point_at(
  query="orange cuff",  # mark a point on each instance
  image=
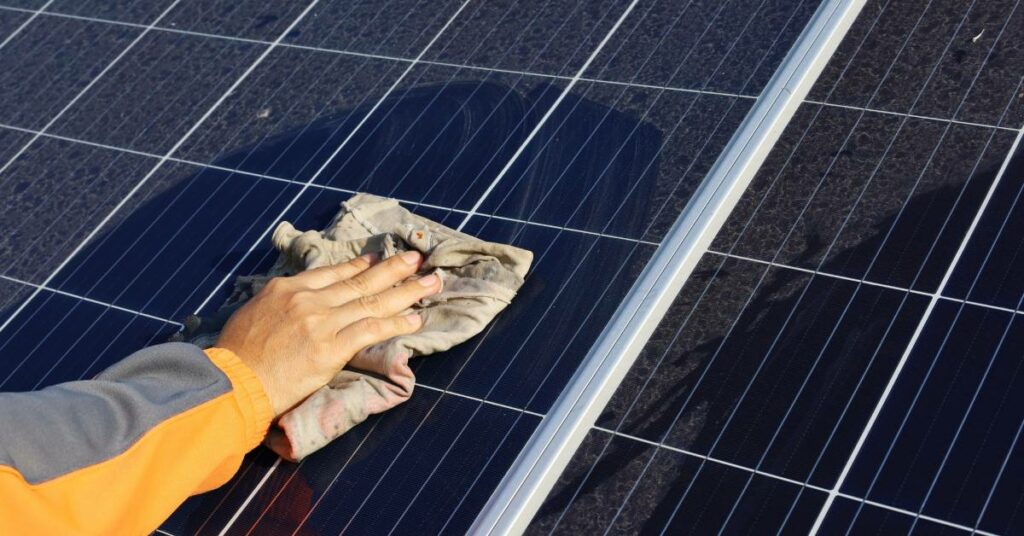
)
(252, 398)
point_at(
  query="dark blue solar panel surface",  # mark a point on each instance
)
(761, 380)
(116, 126)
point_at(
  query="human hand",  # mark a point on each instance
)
(299, 331)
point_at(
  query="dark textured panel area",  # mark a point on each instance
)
(616, 160)
(398, 28)
(946, 59)
(853, 517)
(620, 485)
(991, 269)
(10, 21)
(253, 19)
(154, 95)
(292, 113)
(11, 141)
(535, 36)
(383, 474)
(176, 239)
(866, 195)
(51, 198)
(954, 418)
(25, 4)
(117, 10)
(610, 159)
(731, 46)
(11, 295)
(440, 138)
(52, 60)
(767, 368)
(58, 339)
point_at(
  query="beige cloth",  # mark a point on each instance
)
(479, 279)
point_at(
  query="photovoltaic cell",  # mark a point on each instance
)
(53, 194)
(990, 269)
(705, 45)
(772, 359)
(11, 293)
(553, 38)
(53, 59)
(151, 98)
(132, 11)
(398, 28)
(250, 19)
(10, 21)
(26, 4)
(976, 69)
(184, 227)
(875, 519)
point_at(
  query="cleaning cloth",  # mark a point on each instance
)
(479, 279)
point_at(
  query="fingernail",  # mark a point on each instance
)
(411, 257)
(369, 257)
(414, 319)
(428, 281)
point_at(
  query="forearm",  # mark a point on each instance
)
(119, 453)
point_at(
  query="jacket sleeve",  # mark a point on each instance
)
(117, 454)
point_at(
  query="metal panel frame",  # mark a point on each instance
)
(547, 453)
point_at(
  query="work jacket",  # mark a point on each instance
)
(118, 453)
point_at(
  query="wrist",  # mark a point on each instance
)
(251, 394)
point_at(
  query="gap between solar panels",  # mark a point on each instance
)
(545, 456)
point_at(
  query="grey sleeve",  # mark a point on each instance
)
(47, 433)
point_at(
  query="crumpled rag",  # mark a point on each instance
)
(479, 279)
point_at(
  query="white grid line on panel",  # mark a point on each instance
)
(85, 299)
(787, 480)
(866, 282)
(25, 23)
(869, 425)
(480, 400)
(502, 70)
(547, 115)
(912, 116)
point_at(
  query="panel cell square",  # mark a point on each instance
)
(52, 60)
(397, 28)
(157, 91)
(289, 117)
(176, 240)
(53, 196)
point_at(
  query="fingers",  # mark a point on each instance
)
(328, 275)
(378, 278)
(387, 303)
(370, 331)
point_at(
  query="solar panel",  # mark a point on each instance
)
(844, 358)
(148, 147)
